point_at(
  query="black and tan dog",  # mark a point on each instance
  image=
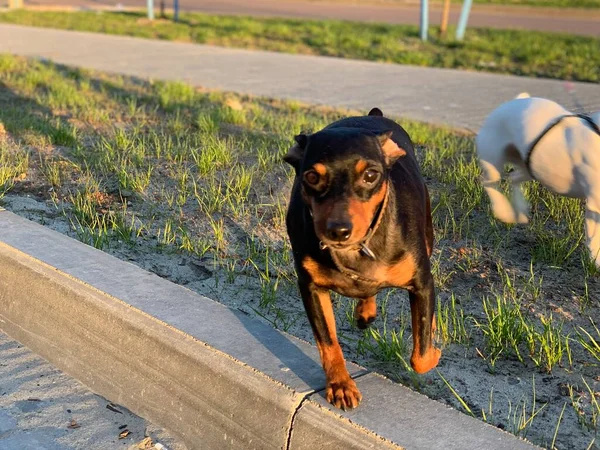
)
(359, 220)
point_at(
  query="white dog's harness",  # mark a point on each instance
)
(585, 117)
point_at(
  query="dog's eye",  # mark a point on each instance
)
(370, 176)
(312, 177)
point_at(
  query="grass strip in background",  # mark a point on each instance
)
(517, 52)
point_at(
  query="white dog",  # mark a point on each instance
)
(545, 142)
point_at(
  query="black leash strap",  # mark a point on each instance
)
(585, 117)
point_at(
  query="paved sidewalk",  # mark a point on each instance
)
(575, 21)
(41, 408)
(457, 98)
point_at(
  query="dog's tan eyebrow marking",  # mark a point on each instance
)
(361, 165)
(363, 212)
(320, 169)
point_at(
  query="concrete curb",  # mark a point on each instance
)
(215, 377)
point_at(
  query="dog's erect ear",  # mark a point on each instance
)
(391, 151)
(296, 153)
(301, 140)
(376, 112)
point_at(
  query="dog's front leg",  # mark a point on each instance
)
(519, 203)
(501, 207)
(422, 302)
(341, 390)
(592, 228)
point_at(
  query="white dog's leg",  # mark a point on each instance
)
(501, 206)
(592, 228)
(519, 203)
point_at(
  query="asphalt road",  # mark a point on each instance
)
(569, 21)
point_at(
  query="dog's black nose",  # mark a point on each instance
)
(338, 231)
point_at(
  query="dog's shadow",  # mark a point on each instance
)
(299, 365)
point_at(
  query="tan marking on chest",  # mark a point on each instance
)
(319, 274)
(401, 273)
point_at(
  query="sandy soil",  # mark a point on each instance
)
(42, 408)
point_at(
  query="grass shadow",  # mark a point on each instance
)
(32, 123)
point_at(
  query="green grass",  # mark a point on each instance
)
(502, 51)
(150, 170)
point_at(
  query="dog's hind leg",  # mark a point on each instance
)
(592, 227)
(365, 312)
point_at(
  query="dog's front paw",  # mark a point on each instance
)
(424, 363)
(505, 213)
(343, 394)
(522, 218)
(520, 205)
(364, 322)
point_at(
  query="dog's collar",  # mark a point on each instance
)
(551, 125)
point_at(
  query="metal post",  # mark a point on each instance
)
(176, 10)
(150, 6)
(444, 21)
(462, 21)
(424, 19)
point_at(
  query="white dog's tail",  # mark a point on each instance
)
(523, 95)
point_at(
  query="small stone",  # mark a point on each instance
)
(513, 380)
(563, 389)
(73, 425)
(28, 405)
